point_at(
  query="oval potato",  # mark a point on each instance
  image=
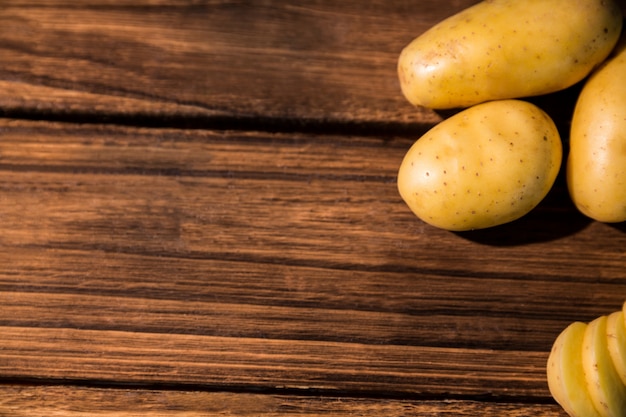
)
(487, 165)
(596, 165)
(501, 49)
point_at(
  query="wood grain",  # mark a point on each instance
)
(231, 300)
(261, 63)
(200, 217)
(26, 401)
(231, 363)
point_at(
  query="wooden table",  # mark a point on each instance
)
(200, 217)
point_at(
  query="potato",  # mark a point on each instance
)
(605, 387)
(486, 165)
(502, 49)
(616, 334)
(586, 367)
(596, 165)
(566, 378)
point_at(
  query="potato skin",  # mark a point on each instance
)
(487, 165)
(596, 164)
(501, 49)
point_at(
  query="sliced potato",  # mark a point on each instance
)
(566, 378)
(605, 387)
(616, 334)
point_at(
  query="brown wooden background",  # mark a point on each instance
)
(199, 217)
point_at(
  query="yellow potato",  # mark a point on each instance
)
(500, 49)
(596, 166)
(566, 378)
(616, 333)
(487, 165)
(605, 387)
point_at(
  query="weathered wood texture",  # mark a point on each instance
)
(262, 62)
(70, 402)
(200, 217)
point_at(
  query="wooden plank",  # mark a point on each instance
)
(325, 62)
(72, 355)
(61, 288)
(26, 401)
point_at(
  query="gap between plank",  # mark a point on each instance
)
(255, 123)
(278, 391)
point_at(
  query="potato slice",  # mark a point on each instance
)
(616, 333)
(566, 378)
(605, 387)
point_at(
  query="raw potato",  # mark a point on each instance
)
(616, 333)
(501, 49)
(605, 387)
(566, 378)
(586, 367)
(596, 166)
(487, 165)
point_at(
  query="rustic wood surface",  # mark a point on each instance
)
(200, 217)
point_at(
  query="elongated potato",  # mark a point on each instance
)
(596, 165)
(500, 49)
(566, 377)
(487, 165)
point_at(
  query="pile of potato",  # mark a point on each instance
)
(496, 159)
